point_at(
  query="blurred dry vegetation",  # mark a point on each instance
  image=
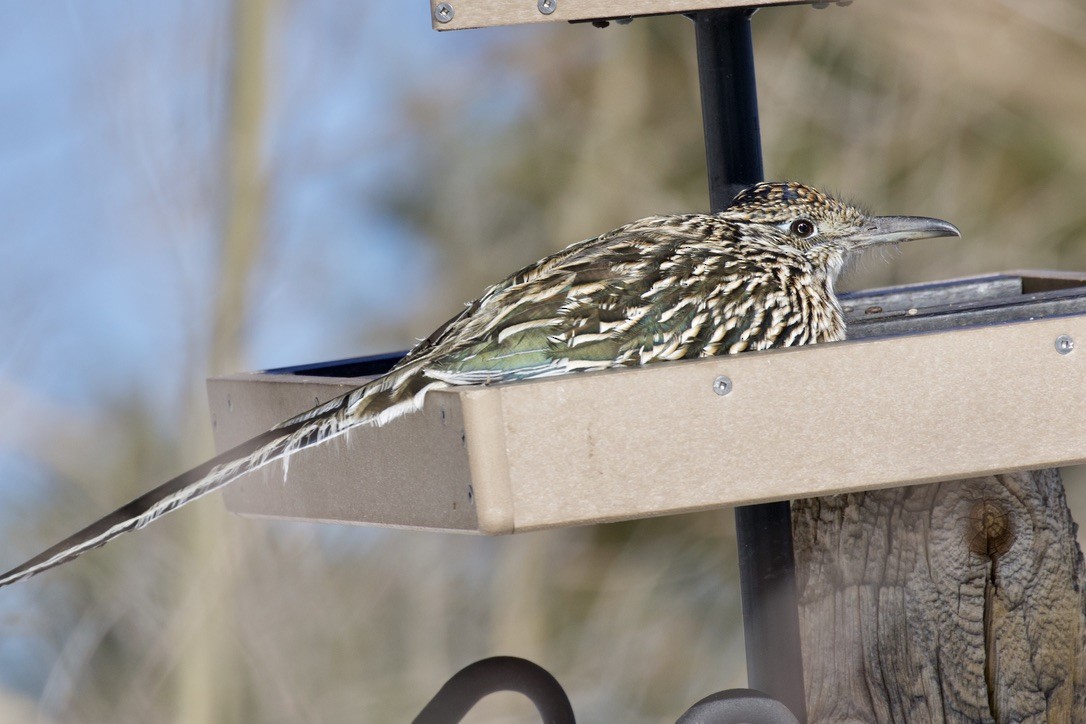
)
(972, 110)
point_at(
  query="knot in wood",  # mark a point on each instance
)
(991, 529)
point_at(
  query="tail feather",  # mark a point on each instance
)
(364, 406)
(385, 395)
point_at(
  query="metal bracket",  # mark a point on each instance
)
(499, 673)
(738, 706)
(509, 673)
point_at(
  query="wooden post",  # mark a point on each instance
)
(951, 602)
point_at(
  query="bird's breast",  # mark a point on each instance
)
(813, 309)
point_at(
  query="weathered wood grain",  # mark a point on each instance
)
(951, 602)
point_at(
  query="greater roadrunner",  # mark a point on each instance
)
(757, 275)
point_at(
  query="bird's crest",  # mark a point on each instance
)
(779, 202)
(770, 195)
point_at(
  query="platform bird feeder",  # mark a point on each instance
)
(938, 381)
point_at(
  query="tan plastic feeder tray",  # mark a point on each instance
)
(999, 385)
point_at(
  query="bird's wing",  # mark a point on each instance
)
(471, 320)
(632, 298)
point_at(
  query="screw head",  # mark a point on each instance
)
(722, 385)
(547, 6)
(1065, 344)
(444, 12)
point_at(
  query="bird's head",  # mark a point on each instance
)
(824, 229)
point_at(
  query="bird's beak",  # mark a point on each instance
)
(891, 229)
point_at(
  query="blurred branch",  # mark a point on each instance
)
(246, 188)
(209, 685)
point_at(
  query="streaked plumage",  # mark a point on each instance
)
(758, 275)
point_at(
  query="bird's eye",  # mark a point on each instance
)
(803, 228)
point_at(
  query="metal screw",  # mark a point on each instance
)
(722, 385)
(1064, 344)
(444, 12)
(547, 6)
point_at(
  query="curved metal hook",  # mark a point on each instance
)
(499, 673)
(738, 706)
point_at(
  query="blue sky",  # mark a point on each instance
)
(110, 123)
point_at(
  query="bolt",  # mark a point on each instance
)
(444, 12)
(1064, 344)
(547, 6)
(722, 385)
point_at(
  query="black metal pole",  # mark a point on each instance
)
(733, 150)
(729, 102)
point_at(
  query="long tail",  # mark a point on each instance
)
(372, 404)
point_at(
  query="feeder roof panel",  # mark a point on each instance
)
(462, 14)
